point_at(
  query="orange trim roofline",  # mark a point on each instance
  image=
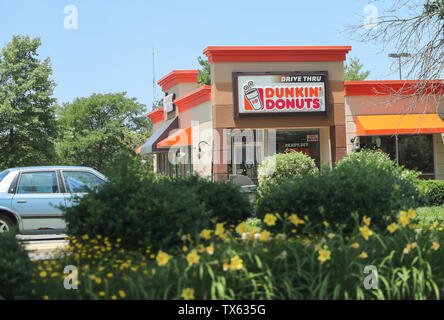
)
(387, 87)
(156, 115)
(194, 98)
(178, 76)
(274, 54)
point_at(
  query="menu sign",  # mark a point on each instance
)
(280, 93)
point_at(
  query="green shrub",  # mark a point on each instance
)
(281, 167)
(15, 269)
(223, 201)
(432, 192)
(367, 183)
(152, 213)
(145, 209)
(139, 208)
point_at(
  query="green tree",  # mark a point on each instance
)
(352, 71)
(204, 75)
(98, 128)
(27, 108)
(157, 104)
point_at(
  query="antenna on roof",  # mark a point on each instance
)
(154, 82)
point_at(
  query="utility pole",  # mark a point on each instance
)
(399, 55)
(154, 82)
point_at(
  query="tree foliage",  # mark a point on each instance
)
(27, 108)
(204, 75)
(414, 27)
(352, 71)
(98, 128)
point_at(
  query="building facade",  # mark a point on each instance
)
(268, 100)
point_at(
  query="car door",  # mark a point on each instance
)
(77, 183)
(37, 200)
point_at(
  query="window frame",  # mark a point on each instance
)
(62, 178)
(17, 185)
(395, 157)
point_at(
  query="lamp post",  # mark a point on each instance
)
(399, 56)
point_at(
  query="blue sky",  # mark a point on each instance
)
(111, 51)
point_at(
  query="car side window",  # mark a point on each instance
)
(81, 181)
(38, 182)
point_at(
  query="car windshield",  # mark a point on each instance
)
(3, 174)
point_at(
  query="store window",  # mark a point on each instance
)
(305, 141)
(414, 152)
(180, 164)
(385, 144)
(246, 152)
(186, 166)
(247, 148)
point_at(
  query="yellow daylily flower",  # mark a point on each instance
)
(241, 228)
(366, 232)
(236, 263)
(366, 220)
(193, 257)
(392, 227)
(188, 294)
(295, 219)
(355, 245)
(220, 231)
(270, 219)
(163, 258)
(324, 255)
(210, 249)
(265, 236)
(403, 218)
(206, 234)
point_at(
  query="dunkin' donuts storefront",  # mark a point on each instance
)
(268, 100)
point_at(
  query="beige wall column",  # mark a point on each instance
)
(438, 147)
(325, 144)
(220, 156)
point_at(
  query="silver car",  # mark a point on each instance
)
(30, 197)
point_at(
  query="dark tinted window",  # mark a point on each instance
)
(79, 182)
(416, 152)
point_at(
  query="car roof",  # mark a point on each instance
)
(49, 167)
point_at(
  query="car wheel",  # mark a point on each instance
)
(5, 224)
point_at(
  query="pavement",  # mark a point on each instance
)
(42, 247)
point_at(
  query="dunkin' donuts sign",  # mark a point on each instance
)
(280, 92)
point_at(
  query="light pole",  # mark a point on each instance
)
(399, 55)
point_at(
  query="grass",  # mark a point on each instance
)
(428, 215)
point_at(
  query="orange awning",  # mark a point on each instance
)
(179, 138)
(399, 124)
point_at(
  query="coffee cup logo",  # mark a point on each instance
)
(252, 95)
